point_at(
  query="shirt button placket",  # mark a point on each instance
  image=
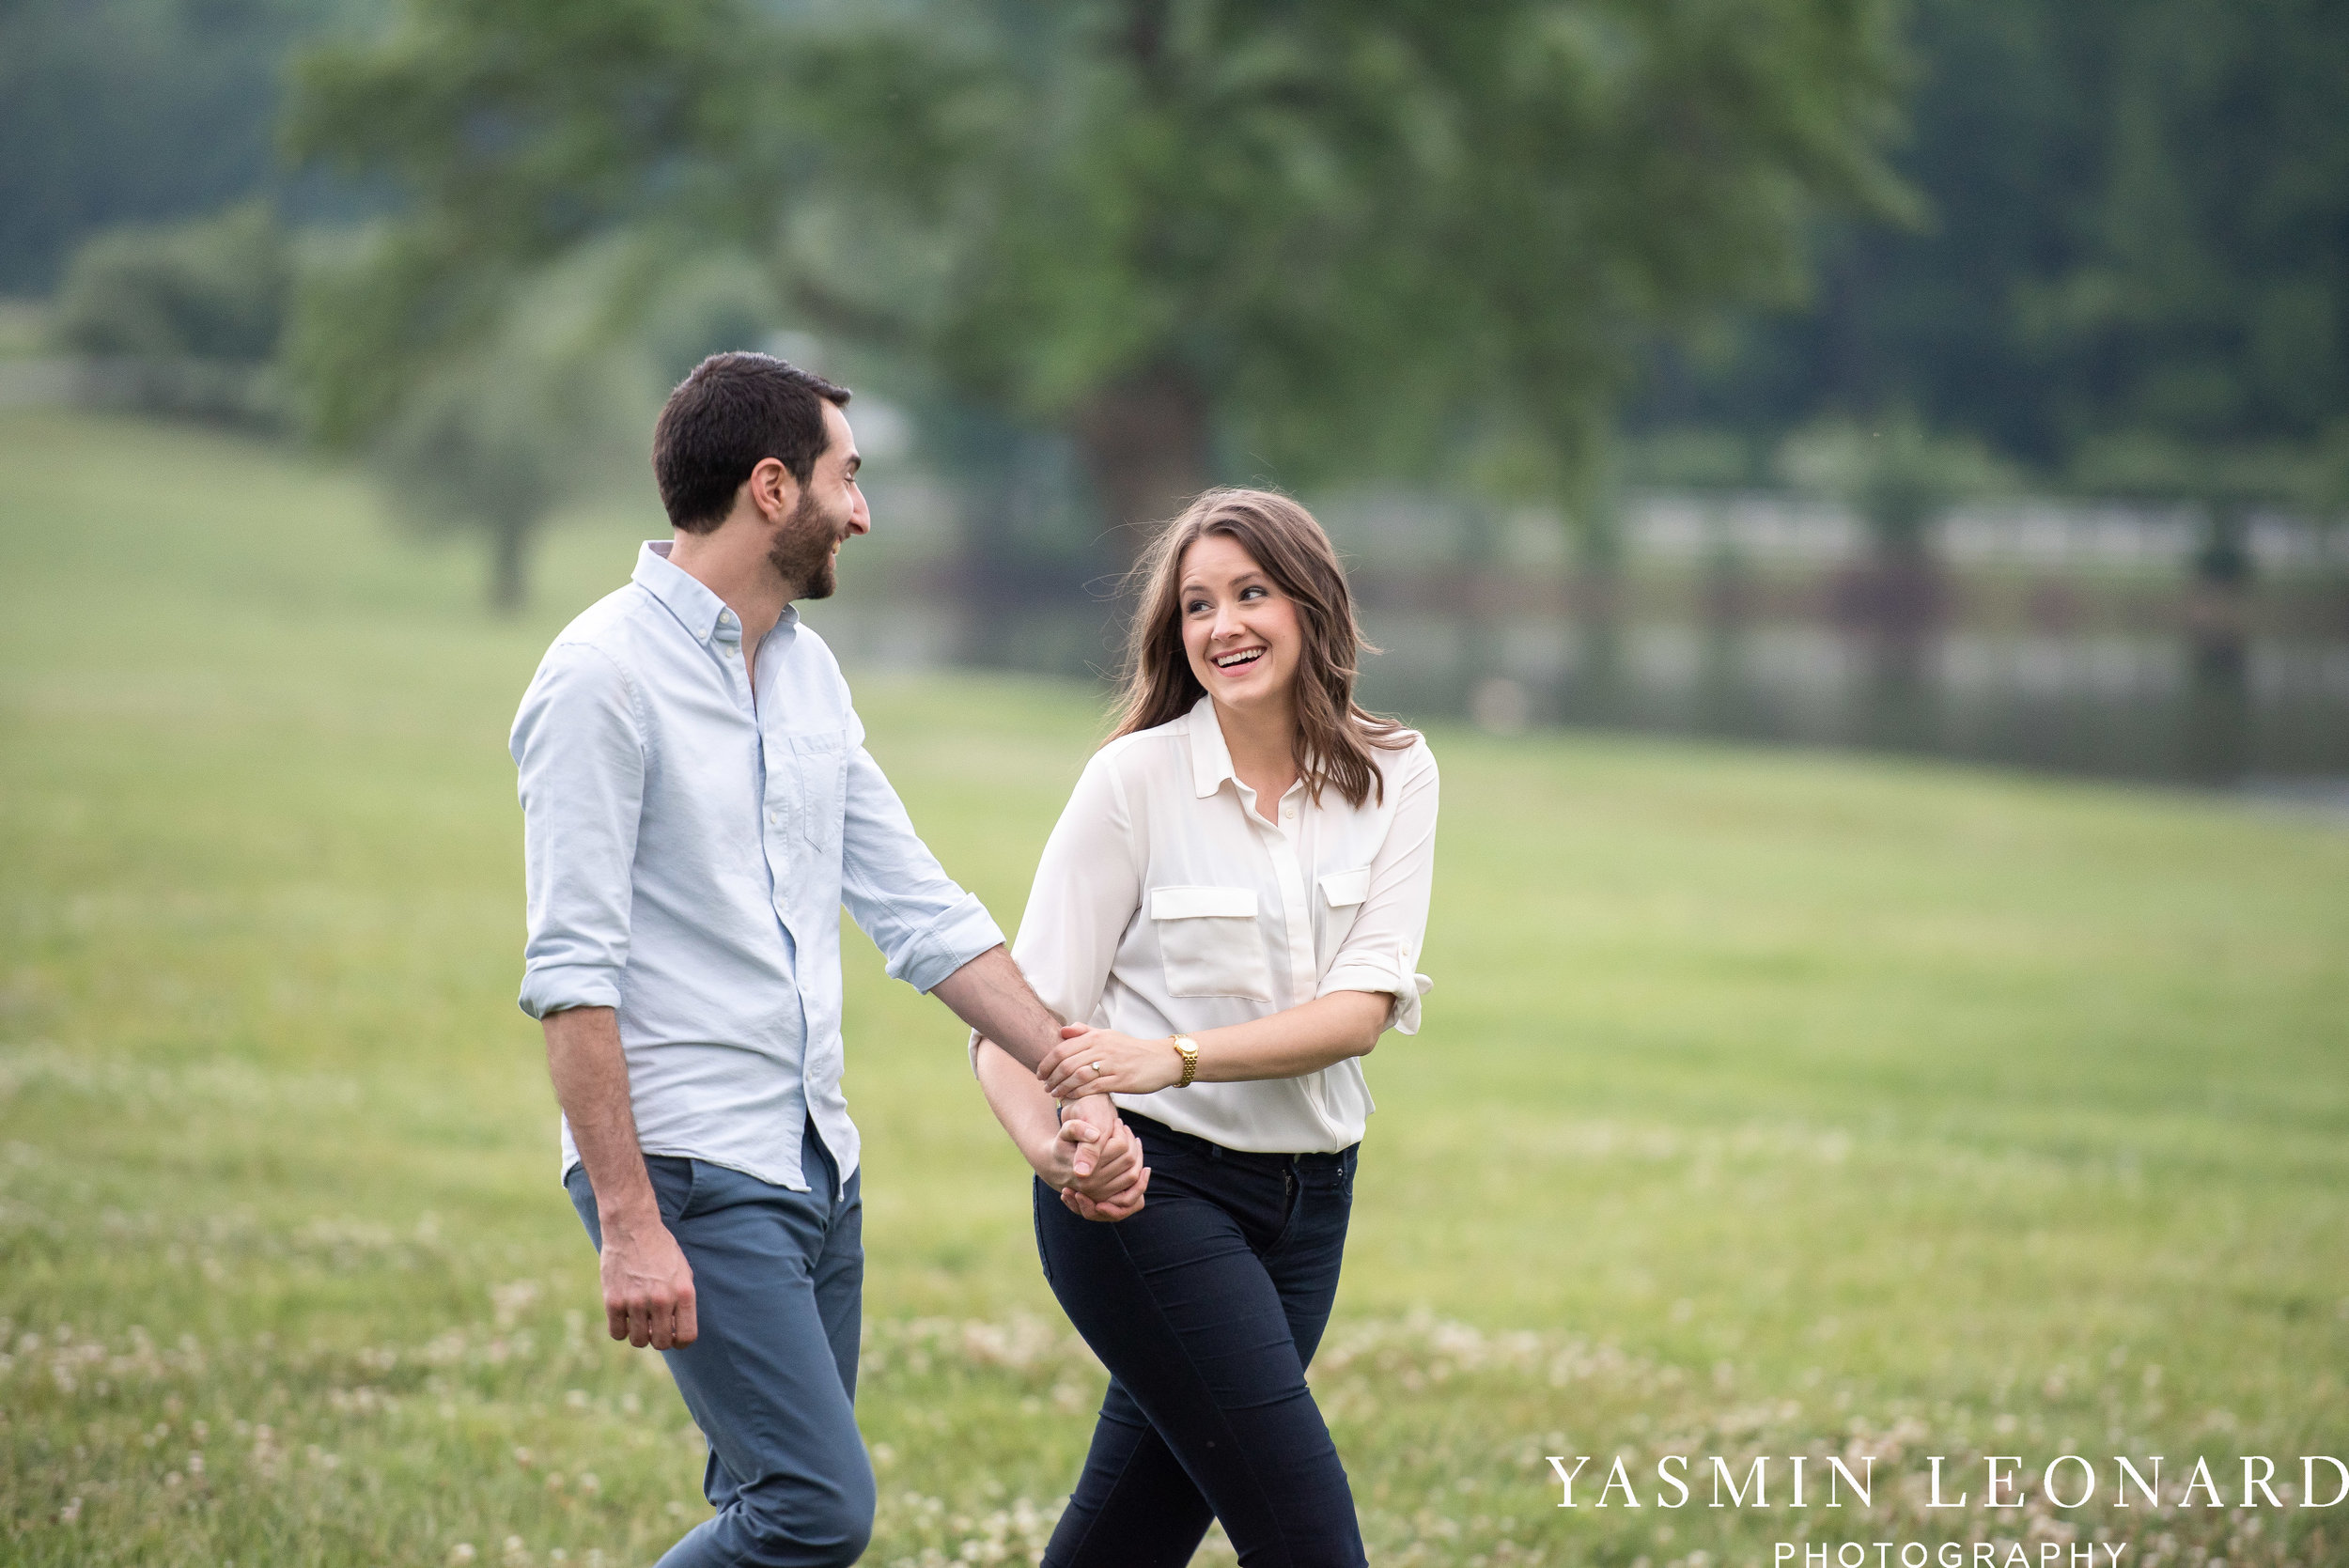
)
(727, 635)
(1295, 908)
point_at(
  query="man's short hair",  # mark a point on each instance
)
(732, 411)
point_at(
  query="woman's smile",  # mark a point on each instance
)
(1239, 632)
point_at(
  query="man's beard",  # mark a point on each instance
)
(802, 553)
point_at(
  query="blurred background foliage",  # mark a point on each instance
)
(1193, 237)
(2137, 216)
(2124, 218)
(1897, 258)
(213, 288)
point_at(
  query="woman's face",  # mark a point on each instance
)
(1239, 630)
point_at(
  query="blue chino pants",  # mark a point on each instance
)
(770, 1379)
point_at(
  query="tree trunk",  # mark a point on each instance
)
(1594, 690)
(1144, 442)
(509, 561)
(2224, 560)
(2218, 720)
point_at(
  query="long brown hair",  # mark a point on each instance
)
(1334, 734)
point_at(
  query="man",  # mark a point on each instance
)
(697, 806)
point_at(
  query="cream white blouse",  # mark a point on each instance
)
(1164, 904)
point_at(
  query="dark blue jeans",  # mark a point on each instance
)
(1206, 1307)
(771, 1378)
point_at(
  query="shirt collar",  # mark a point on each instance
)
(686, 596)
(1210, 758)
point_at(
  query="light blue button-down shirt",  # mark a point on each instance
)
(688, 850)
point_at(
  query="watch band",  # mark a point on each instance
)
(1189, 1049)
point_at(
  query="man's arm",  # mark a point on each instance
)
(939, 939)
(1086, 889)
(647, 1285)
(1025, 1111)
(990, 995)
(580, 757)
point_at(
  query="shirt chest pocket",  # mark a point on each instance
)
(1210, 942)
(820, 771)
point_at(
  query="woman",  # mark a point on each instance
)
(1230, 913)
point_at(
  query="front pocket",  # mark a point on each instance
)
(1343, 887)
(1210, 939)
(673, 1178)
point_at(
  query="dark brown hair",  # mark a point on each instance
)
(732, 411)
(1334, 734)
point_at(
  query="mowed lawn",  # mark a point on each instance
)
(1770, 1104)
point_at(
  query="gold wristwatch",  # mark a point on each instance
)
(1189, 1048)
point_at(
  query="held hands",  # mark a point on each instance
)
(1098, 1173)
(647, 1285)
(1093, 1061)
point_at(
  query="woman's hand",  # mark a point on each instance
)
(1093, 1061)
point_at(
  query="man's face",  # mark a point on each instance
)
(831, 507)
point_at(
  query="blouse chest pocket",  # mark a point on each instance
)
(1210, 939)
(1342, 893)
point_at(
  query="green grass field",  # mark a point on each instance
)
(1768, 1103)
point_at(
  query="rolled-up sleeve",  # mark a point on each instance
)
(578, 749)
(924, 922)
(1381, 951)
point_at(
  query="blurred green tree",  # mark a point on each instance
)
(545, 410)
(2138, 211)
(182, 318)
(1205, 240)
(209, 288)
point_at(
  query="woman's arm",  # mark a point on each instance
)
(1371, 983)
(1288, 1044)
(1048, 1145)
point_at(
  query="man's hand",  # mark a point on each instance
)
(1107, 1177)
(1119, 1205)
(1007, 1020)
(647, 1285)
